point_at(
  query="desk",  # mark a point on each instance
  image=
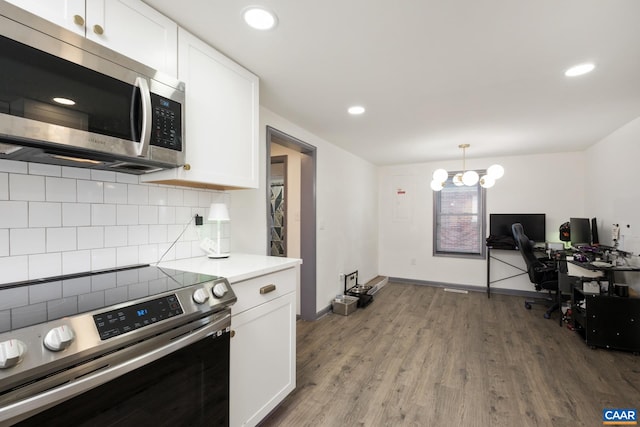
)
(521, 270)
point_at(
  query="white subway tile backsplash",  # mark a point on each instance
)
(13, 166)
(61, 239)
(127, 214)
(14, 268)
(138, 235)
(45, 214)
(76, 214)
(44, 169)
(90, 191)
(157, 233)
(76, 261)
(183, 250)
(98, 175)
(175, 196)
(148, 254)
(60, 189)
(127, 178)
(64, 220)
(148, 214)
(138, 194)
(166, 215)
(115, 236)
(77, 173)
(90, 237)
(103, 214)
(190, 198)
(14, 214)
(4, 186)
(158, 196)
(103, 258)
(127, 255)
(24, 241)
(26, 187)
(4, 242)
(45, 265)
(115, 193)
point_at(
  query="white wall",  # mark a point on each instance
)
(552, 184)
(346, 207)
(613, 189)
(59, 220)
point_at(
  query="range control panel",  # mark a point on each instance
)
(116, 322)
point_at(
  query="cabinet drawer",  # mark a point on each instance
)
(272, 285)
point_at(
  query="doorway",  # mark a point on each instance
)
(298, 232)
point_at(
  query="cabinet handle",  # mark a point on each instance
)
(78, 20)
(267, 289)
(233, 333)
(186, 167)
(98, 30)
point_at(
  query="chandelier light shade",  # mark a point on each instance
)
(466, 177)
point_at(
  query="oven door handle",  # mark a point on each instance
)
(25, 408)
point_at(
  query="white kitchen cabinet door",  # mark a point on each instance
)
(129, 27)
(69, 14)
(263, 359)
(221, 126)
(136, 30)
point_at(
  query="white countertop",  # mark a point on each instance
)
(236, 268)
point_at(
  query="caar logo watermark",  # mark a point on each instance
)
(619, 417)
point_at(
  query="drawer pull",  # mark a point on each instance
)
(267, 289)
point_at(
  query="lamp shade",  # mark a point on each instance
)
(218, 212)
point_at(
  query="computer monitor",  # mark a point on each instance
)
(580, 231)
(533, 225)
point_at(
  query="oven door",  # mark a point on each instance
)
(186, 384)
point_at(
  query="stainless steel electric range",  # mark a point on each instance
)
(131, 346)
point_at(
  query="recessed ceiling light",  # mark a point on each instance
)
(64, 101)
(579, 70)
(355, 110)
(259, 18)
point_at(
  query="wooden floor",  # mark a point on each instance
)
(420, 356)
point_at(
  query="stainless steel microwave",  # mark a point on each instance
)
(68, 101)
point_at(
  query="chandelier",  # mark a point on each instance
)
(466, 177)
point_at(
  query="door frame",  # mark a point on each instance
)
(307, 215)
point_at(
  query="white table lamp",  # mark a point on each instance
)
(218, 213)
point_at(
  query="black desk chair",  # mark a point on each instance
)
(543, 276)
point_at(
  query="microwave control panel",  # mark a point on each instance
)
(166, 129)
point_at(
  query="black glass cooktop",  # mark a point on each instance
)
(32, 302)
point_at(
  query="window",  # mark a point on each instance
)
(459, 221)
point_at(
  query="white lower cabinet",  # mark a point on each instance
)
(263, 346)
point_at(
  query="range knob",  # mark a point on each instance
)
(200, 296)
(59, 338)
(219, 289)
(11, 352)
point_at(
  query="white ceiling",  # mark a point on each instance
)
(435, 74)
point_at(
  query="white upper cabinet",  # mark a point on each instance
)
(129, 27)
(221, 125)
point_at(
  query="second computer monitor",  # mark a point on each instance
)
(580, 231)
